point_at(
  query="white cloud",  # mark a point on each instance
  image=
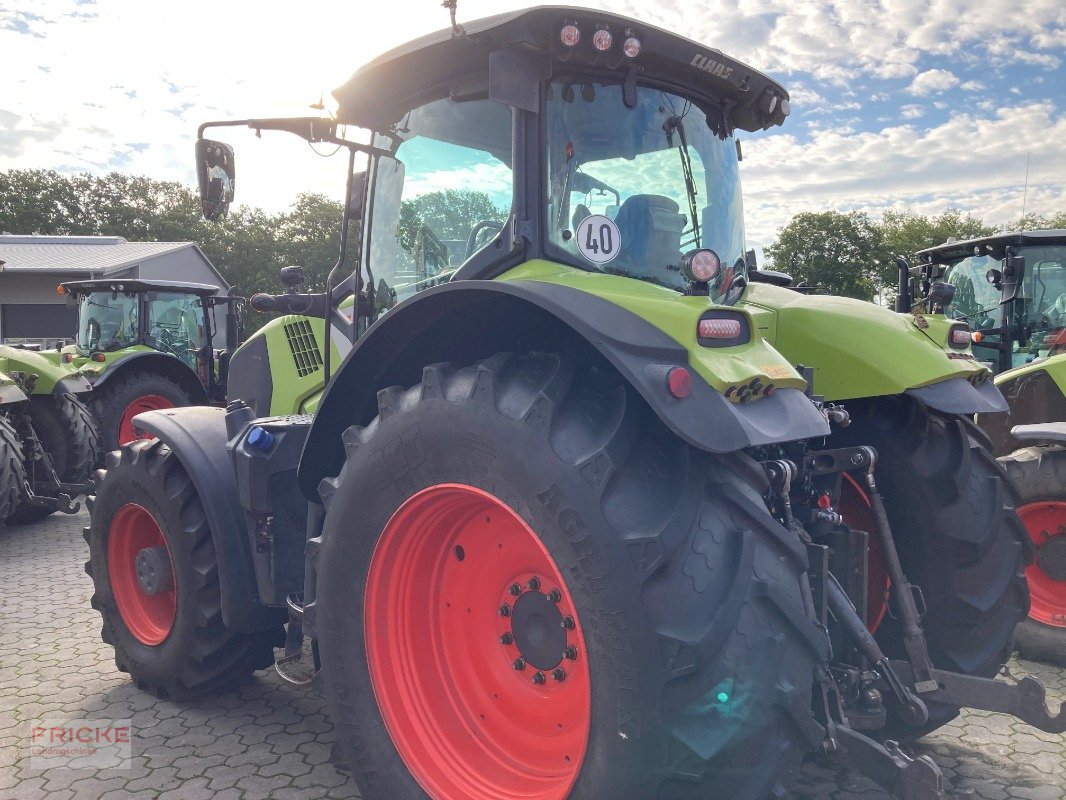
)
(911, 111)
(933, 81)
(970, 162)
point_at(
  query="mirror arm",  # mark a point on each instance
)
(310, 129)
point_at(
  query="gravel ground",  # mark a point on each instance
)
(271, 740)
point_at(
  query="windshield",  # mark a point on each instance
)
(1039, 311)
(632, 189)
(176, 325)
(107, 322)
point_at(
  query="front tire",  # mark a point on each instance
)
(650, 573)
(1040, 475)
(169, 637)
(959, 539)
(68, 433)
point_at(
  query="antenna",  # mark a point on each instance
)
(1025, 191)
(457, 29)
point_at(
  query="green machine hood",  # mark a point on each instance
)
(48, 376)
(858, 349)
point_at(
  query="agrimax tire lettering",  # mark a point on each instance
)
(609, 627)
(570, 521)
(397, 457)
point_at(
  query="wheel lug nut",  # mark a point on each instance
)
(555, 595)
(568, 623)
(519, 664)
(559, 674)
(505, 610)
(570, 654)
(533, 584)
(515, 589)
(538, 678)
(506, 639)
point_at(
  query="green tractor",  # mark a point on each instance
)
(1012, 289)
(588, 508)
(48, 439)
(148, 345)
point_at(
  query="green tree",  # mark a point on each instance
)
(450, 214)
(905, 233)
(845, 253)
(1040, 222)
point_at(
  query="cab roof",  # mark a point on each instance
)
(433, 65)
(136, 285)
(994, 245)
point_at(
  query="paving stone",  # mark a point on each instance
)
(267, 740)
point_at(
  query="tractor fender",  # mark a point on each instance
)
(161, 363)
(959, 396)
(468, 320)
(1044, 433)
(72, 384)
(197, 436)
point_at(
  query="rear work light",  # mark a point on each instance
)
(719, 328)
(602, 39)
(700, 266)
(570, 35)
(631, 47)
(960, 338)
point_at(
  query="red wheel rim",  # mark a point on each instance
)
(854, 506)
(148, 618)
(148, 402)
(466, 722)
(1045, 521)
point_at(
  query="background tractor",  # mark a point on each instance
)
(1011, 288)
(147, 345)
(569, 519)
(48, 440)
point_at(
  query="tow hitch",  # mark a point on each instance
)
(907, 684)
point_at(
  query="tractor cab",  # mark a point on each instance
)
(171, 317)
(571, 136)
(1011, 288)
(150, 344)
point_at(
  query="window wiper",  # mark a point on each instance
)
(676, 123)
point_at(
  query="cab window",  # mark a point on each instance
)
(176, 325)
(444, 194)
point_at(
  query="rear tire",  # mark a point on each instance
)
(1040, 476)
(12, 470)
(688, 598)
(68, 433)
(122, 397)
(185, 650)
(959, 538)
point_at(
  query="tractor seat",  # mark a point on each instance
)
(650, 228)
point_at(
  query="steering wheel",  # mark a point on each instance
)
(476, 231)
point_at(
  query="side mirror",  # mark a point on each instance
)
(215, 173)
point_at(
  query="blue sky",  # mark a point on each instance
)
(897, 104)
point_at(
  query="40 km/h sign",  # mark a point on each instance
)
(598, 238)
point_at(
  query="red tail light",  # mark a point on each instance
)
(719, 328)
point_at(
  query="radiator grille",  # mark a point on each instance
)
(304, 346)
